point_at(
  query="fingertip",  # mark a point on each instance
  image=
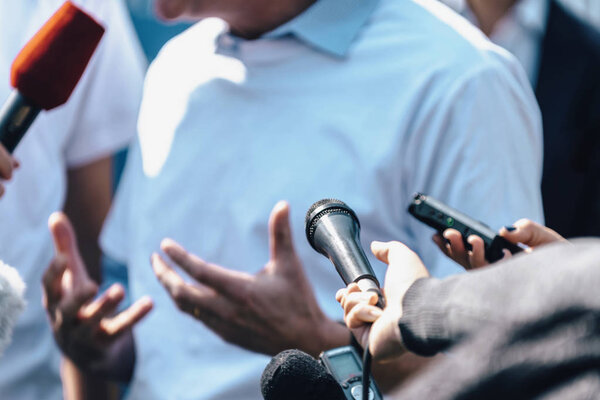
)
(146, 302)
(373, 298)
(157, 262)
(507, 230)
(281, 206)
(376, 244)
(473, 239)
(280, 215)
(340, 294)
(55, 219)
(169, 244)
(377, 248)
(115, 291)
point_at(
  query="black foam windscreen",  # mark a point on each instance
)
(295, 375)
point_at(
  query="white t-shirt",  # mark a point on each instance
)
(98, 120)
(421, 102)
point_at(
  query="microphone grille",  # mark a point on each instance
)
(321, 208)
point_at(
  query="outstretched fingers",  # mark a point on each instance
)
(103, 306)
(125, 320)
(223, 280)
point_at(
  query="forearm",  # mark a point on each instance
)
(439, 313)
(87, 203)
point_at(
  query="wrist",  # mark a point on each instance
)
(385, 339)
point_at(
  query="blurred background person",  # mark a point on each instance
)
(65, 164)
(561, 55)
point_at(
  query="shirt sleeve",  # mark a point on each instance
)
(438, 314)
(109, 94)
(479, 150)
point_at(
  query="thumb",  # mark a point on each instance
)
(280, 233)
(394, 253)
(381, 250)
(530, 233)
(65, 243)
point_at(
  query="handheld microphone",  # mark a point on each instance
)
(333, 229)
(295, 375)
(46, 71)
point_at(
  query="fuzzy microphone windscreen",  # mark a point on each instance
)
(50, 65)
(12, 302)
(295, 375)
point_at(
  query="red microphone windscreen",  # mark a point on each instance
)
(48, 68)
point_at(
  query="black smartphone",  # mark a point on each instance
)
(441, 217)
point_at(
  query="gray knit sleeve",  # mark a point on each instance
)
(439, 313)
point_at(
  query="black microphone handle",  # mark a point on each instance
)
(16, 116)
(347, 255)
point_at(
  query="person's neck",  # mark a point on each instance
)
(489, 12)
(254, 18)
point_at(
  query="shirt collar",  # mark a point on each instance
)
(531, 14)
(328, 25)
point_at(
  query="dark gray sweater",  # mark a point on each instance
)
(523, 329)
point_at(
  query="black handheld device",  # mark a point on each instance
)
(441, 217)
(346, 367)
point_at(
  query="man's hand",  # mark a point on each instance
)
(523, 231)
(86, 330)
(366, 320)
(7, 165)
(268, 312)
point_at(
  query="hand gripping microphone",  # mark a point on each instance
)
(333, 230)
(46, 71)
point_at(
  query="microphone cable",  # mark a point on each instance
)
(366, 373)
